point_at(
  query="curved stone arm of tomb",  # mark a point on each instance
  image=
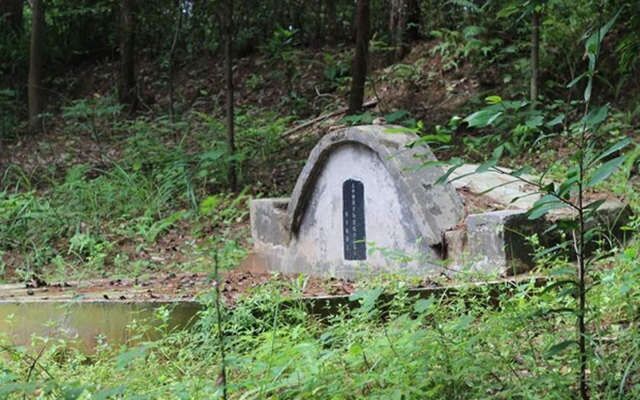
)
(435, 208)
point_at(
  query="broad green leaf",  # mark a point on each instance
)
(560, 347)
(616, 147)
(13, 388)
(534, 122)
(423, 305)
(463, 322)
(73, 392)
(576, 80)
(213, 155)
(596, 204)
(396, 116)
(566, 186)
(400, 129)
(108, 393)
(472, 30)
(126, 358)
(493, 100)
(486, 166)
(605, 170)
(596, 116)
(435, 138)
(508, 11)
(587, 90)
(495, 158)
(494, 118)
(367, 298)
(593, 41)
(482, 118)
(544, 205)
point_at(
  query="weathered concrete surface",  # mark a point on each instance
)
(406, 214)
(269, 221)
(437, 206)
(504, 190)
(318, 242)
(412, 225)
(497, 241)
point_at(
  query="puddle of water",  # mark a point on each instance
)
(85, 323)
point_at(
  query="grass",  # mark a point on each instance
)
(167, 183)
(463, 347)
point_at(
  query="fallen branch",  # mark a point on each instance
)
(290, 132)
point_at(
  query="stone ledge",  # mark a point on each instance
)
(269, 221)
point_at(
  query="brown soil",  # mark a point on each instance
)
(164, 287)
(433, 94)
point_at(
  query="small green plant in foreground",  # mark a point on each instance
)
(588, 168)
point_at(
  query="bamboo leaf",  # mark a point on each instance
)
(544, 205)
(614, 148)
(560, 347)
(596, 116)
(605, 170)
(482, 118)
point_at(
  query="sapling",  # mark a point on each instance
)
(222, 378)
(588, 168)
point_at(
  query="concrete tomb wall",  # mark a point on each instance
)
(355, 208)
(367, 201)
(362, 204)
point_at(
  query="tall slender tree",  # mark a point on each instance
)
(172, 51)
(228, 73)
(535, 54)
(404, 20)
(36, 62)
(360, 59)
(127, 85)
(332, 22)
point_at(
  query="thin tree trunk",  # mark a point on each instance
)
(36, 59)
(127, 89)
(228, 41)
(535, 56)
(11, 12)
(172, 61)
(360, 60)
(414, 16)
(320, 23)
(404, 20)
(397, 23)
(332, 22)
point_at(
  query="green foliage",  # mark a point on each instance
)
(161, 182)
(454, 46)
(336, 70)
(509, 345)
(84, 115)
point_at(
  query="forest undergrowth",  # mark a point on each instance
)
(106, 192)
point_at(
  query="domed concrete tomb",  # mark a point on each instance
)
(367, 202)
(363, 203)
